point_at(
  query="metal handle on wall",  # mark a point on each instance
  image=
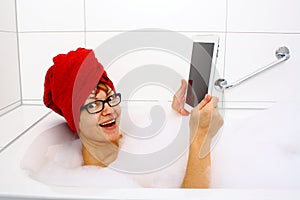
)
(282, 54)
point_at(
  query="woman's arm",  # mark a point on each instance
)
(197, 173)
(205, 121)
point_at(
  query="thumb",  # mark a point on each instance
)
(204, 101)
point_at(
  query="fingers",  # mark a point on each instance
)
(184, 83)
(209, 102)
(179, 96)
(205, 101)
(183, 112)
(182, 89)
(179, 99)
(214, 102)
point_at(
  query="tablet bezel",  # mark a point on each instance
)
(205, 39)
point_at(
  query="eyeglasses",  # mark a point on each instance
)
(98, 105)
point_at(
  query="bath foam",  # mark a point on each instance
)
(54, 158)
(63, 167)
(262, 152)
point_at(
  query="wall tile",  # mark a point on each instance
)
(37, 51)
(7, 15)
(128, 62)
(247, 53)
(9, 70)
(177, 15)
(106, 24)
(263, 16)
(54, 15)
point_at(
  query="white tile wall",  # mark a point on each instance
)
(96, 39)
(36, 53)
(54, 15)
(7, 15)
(125, 64)
(67, 24)
(9, 70)
(177, 15)
(248, 52)
(263, 16)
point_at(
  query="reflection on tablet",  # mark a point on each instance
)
(200, 72)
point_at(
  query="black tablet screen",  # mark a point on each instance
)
(200, 70)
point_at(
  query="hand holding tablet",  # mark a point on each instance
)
(202, 69)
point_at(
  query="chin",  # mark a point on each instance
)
(113, 136)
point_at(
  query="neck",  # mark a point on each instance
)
(98, 153)
(89, 159)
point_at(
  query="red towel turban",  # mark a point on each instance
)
(69, 82)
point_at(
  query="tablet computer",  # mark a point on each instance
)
(202, 69)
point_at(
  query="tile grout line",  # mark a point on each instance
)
(5, 31)
(225, 51)
(19, 52)
(181, 31)
(11, 104)
(12, 109)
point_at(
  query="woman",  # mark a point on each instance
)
(78, 88)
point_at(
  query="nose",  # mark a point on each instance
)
(107, 110)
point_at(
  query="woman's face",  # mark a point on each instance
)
(102, 126)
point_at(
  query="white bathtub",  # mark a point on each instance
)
(15, 182)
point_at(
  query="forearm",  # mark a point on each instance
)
(205, 121)
(198, 167)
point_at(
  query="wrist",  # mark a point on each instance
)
(200, 146)
(200, 135)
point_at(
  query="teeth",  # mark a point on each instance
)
(109, 122)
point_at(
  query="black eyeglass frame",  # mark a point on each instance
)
(103, 103)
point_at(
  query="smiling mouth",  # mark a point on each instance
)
(108, 123)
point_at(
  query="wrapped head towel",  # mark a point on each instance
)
(69, 82)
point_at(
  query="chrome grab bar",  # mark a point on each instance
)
(282, 54)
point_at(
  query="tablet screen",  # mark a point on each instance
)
(200, 72)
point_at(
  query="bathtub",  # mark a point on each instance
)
(16, 182)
